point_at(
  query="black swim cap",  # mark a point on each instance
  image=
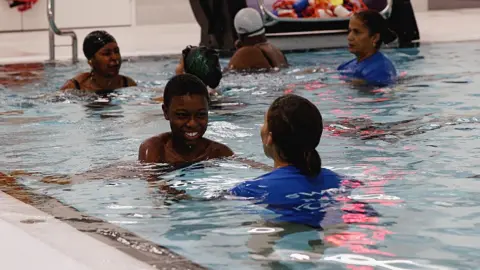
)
(203, 63)
(94, 41)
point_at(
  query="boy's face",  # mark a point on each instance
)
(188, 116)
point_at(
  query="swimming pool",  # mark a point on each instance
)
(422, 184)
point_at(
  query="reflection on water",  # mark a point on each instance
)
(413, 146)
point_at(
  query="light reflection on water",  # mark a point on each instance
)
(418, 183)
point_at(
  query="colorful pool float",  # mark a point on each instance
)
(317, 8)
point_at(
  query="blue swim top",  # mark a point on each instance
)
(294, 197)
(376, 70)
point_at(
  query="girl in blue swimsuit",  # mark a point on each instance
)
(299, 190)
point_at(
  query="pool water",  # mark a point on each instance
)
(420, 178)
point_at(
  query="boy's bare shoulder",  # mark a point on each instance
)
(157, 139)
(151, 150)
(219, 150)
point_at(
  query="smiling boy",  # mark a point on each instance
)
(186, 108)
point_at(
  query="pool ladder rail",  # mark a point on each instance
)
(53, 30)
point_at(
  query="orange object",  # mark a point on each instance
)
(355, 5)
(283, 4)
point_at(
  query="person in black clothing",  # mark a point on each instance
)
(215, 18)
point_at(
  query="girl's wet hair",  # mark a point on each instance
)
(204, 63)
(296, 126)
(94, 41)
(376, 23)
(182, 85)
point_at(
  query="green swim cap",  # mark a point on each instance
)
(203, 63)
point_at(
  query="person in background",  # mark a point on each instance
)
(298, 189)
(185, 106)
(367, 32)
(202, 62)
(103, 55)
(253, 50)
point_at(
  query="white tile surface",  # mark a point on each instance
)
(10, 18)
(419, 5)
(80, 13)
(150, 12)
(36, 17)
(52, 244)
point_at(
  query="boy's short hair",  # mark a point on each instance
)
(184, 84)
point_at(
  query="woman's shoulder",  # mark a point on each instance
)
(347, 64)
(383, 58)
(82, 77)
(76, 82)
(129, 81)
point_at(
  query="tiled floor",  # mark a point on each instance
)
(435, 26)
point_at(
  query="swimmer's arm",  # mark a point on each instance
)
(253, 164)
(68, 85)
(358, 82)
(159, 97)
(248, 58)
(223, 151)
(169, 191)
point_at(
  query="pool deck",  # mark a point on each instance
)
(49, 235)
(33, 239)
(170, 39)
(40, 232)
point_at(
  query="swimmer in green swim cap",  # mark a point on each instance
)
(203, 63)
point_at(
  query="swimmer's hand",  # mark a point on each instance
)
(213, 92)
(254, 164)
(173, 193)
(157, 99)
(358, 82)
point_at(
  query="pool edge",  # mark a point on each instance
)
(129, 244)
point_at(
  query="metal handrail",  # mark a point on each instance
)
(53, 29)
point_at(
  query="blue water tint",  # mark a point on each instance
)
(417, 176)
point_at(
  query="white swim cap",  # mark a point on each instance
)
(248, 21)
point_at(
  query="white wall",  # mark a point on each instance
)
(10, 20)
(69, 14)
(149, 12)
(419, 5)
